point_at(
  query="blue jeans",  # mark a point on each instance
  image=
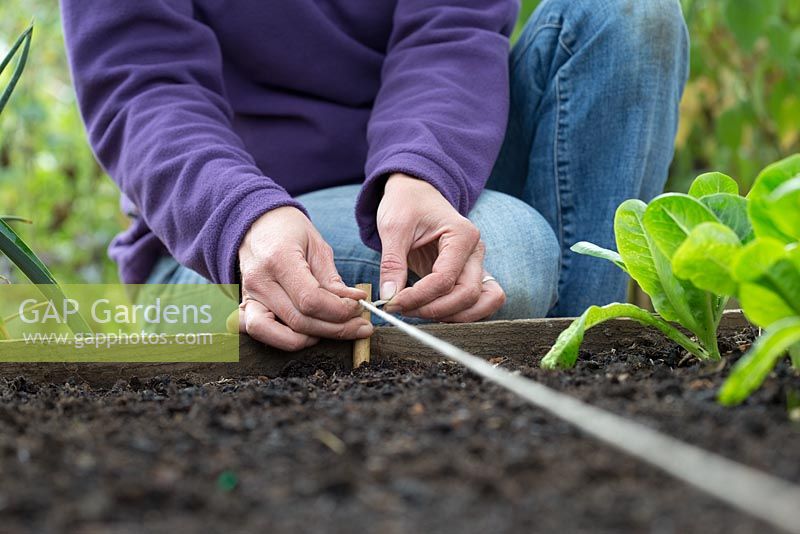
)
(595, 87)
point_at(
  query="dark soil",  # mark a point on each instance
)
(399, 447)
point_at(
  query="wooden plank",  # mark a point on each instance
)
(522, 341)
(525, 341)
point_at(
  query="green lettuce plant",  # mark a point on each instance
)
(692, 252)
(764, 274)
(11, 244)
(649, 238)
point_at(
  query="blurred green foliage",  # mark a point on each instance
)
(47, 171)
(741, 110)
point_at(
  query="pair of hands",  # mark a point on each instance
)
(292, 294)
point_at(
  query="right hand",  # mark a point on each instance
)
(292, 294)
(421, 230)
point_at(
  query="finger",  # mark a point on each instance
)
(492, 299)
(395, 243)
(242, 314)
(242, 328)
(311, 300)
(323, 268)
(455, 249)
(282, 305)
(260, 324)
(346, 292)
(464, 295)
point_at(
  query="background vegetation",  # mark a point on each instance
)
(741, 111)
(47, 171)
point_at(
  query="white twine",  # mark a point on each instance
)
(769, 498)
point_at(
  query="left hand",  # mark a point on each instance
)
(420, 230)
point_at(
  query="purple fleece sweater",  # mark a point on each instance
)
(208, 113)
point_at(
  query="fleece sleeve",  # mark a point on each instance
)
(442, 108)
(148, 76)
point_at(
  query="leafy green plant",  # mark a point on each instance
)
(691, 253)
(652, 242)
(23, 42)
(11, 244)
(764, 274)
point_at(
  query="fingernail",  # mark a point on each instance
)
(364, 331)
(388, 289)
(391, 308)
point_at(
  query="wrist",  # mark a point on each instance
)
(247, 203)
(399, 182)
(274, 217)
(400, 177)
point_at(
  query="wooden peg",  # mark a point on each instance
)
(361, 346)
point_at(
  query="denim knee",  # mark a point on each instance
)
(653, 31)
(522, 253)
(634, 30)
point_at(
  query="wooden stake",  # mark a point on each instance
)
(361, 346)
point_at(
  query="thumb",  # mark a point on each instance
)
(323, 267)
(394, 263)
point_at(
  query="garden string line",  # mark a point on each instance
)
(755, 492)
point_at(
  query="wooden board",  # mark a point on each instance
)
(527, 340)
(522, 341)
